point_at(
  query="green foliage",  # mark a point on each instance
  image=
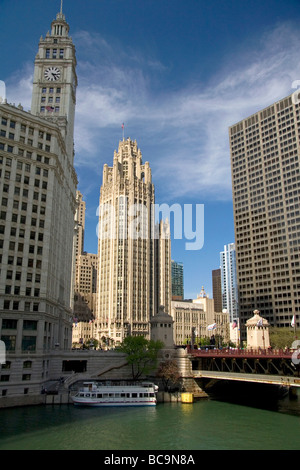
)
(281, 338)
(169, 373)
(141, 354)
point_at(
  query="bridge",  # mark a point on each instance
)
(269, 366)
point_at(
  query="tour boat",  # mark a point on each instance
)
(107, 394)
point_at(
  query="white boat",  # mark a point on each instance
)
(107, 394)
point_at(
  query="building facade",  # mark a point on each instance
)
(85, 288)
(229, 281)
(38, 203)
(217, 289)
(131, 282)
(193, 318)
(265, 151)
(177, 280)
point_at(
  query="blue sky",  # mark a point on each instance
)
(178, 74)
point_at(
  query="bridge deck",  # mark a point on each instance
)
(258, 378)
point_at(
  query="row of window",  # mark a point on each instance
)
(18, 261)
(15, 305)
(51, 90)
(54, 53)
(21, 152)
(30, 130)
(11, 136)
(50, 109)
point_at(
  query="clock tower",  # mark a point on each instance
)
(55, 80)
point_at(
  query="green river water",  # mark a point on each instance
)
(207, 424)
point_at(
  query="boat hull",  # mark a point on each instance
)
(95, 404)
(108, 395)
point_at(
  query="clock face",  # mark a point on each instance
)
(52, 74)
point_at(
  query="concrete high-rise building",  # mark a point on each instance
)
(38, 203)
(229, 281)
(217, 289)
(131, 279)
(177, 281)
(265, 152)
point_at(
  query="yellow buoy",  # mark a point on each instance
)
(187, 398)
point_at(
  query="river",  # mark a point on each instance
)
(208, 424)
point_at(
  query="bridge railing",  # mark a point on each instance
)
(229, 352)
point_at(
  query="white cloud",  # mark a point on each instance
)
(183, 133)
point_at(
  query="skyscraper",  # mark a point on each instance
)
(130, 284)
(265, 152)
(177, 280)
(38, 203)
(86, 268)
(229, 281)
(217, 289)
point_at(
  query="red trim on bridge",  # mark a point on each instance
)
(243, 353)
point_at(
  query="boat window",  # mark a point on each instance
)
(111, 394)
(128, 395)
(105, 395)
(81, 394)
(152, 394)
(94, 395)
(117, 395)
(123, 395)
(87, 394)
(134, 395)
(99, 395)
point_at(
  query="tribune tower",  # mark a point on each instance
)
(134, 263)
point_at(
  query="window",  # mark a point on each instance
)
(29, 325)
(9, 324)
(26, 377)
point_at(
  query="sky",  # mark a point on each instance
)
(178, 74)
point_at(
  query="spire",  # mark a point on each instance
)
(60, 27)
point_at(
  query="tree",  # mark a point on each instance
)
(141, 354)
(169, 373)
(281, 338)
